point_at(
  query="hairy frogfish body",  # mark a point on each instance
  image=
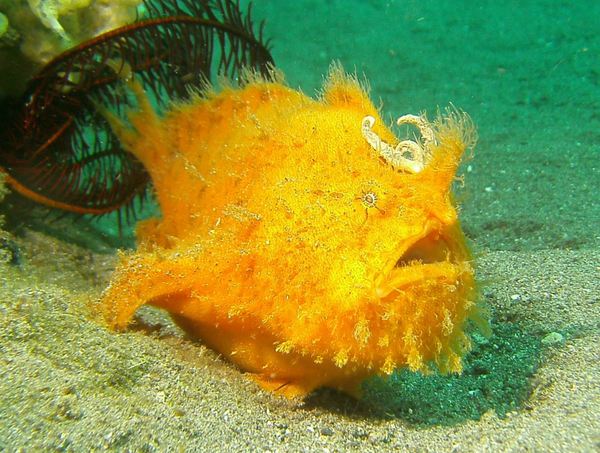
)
(300, 238)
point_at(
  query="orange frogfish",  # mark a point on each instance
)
(299, 237)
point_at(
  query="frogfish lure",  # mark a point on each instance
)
(299, 237)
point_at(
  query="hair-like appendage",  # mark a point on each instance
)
(59, 150)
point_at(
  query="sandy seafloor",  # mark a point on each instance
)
(529, 75)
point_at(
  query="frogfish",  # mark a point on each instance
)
(298, 237)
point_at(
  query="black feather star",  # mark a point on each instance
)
(57, 148)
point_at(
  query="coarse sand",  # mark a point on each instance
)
(67, 383)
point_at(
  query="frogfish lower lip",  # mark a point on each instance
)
(404, 276)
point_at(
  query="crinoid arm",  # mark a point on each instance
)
(59, 150)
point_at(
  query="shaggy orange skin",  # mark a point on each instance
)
(270, 252)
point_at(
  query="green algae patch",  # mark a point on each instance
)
(496, 377)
